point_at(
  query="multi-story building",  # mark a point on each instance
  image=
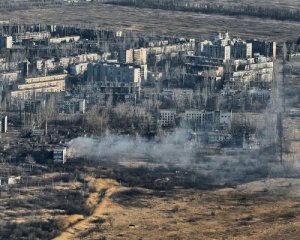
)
(79, 68)
(167, 118)
(60, 155)
(72, 106)
(20, 37)
(214, 50)
(259, 69)
(210, 137)
(136, 56)
(78, 63)
(36, 86)
(179, 94)
(4, 124)
(144, 72)
(225, 118)
(32, 105)
(66, 39)
(10, 180)
(123, 82)
(199, 119)
(225, 48)
(241, 49)
(6, 42)
(140, 56)
(259, 95)
(10, 77)
(106, 72)
(126, 56)
(265, 48)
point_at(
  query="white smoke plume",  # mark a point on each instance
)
(115, 147)
(221, 167)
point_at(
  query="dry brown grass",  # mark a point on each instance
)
(265, 3)
(158, 21)
(249, 212)
(101, 204)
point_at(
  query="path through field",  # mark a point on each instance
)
(104, 188)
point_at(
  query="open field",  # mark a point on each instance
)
(237, 8)
(266, 210)
(259, 3)
(249, 212)
(25, 4)
(158, 21)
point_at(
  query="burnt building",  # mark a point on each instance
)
(60, 155)
(265, 48)
(4, 124)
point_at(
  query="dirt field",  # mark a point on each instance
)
(252, 211)
(265, 3)
(158, 21)
(267, 210)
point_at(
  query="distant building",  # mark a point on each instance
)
(167, 118)
(225, 118)
(72, 106)
(39, 85)
(4, 124)
(210, 138)
(260, 95)
(241, 49)
(136, 56)
(10, 77)
(140, 56)
(6, 42)
(78, 69)
(218, 137)
(105, 72)
(60, 155)
(20, 37)
(259, 69)
(179, 94)
(211, 50)
(265, 48)
(32, 105)
(161, 48)
(66, 39)
(199, 119)
(126, 56)
(119, 33)
(298, 41)
(9, 180)
(144, 72)
(225, 48)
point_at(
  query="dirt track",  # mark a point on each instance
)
(100, 200)
(260, 210)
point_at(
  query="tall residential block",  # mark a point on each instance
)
(4, 124)
(6, 42)
(36, 86)
(136, 56)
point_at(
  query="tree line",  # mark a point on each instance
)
(27, 4)
(276, 13)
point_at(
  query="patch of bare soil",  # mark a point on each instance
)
(100, 203)
(267, 209)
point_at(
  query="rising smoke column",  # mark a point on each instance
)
(113, 147)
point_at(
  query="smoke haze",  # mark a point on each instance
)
(115, 147)
(172, 151)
